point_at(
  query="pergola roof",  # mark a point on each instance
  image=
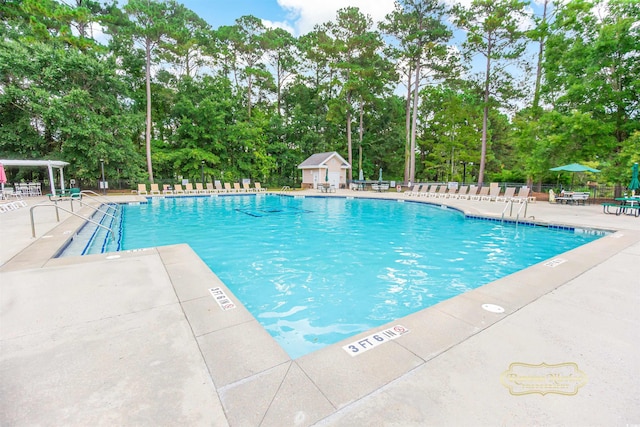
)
(45, 163)
(49, 164)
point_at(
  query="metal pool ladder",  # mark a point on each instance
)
(524, 205)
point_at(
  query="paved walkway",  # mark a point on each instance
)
(137, 339)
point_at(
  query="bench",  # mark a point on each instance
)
(71, 193)
(629, 210)
(380, 187)
(606, 208)
(572, 198)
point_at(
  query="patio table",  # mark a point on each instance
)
(35, 189)
(380, 187)
(573, 198)
(326, 188)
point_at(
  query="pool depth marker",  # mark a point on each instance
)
(222, 299)
(374, 340)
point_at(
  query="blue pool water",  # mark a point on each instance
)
(314, 271)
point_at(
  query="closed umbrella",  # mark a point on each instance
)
(3, 177)
(361, 175)
(380, 175)
(326, 177)
(633, 185)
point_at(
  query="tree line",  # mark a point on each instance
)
(490, 91)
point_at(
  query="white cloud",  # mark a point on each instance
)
(284, 25)
(305, 14)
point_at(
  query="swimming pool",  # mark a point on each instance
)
(314, 271)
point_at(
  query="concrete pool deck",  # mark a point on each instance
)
(139, 340)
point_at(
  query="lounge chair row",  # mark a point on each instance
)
(208, 188)
(490, 193)
(12, 206)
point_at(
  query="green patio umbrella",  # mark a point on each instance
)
(380, 175)
(326, 177)
(634, 184)
(574, 167)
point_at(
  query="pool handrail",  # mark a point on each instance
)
(509, 205)
(55, 205)
(97, 196)
(525, 204)
(94, 208)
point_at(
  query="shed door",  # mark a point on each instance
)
(334, 179)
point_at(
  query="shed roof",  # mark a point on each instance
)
(319, 160)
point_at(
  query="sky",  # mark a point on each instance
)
(296, 16)
(300, 16)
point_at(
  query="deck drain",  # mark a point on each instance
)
(493, 308)
(113, 257)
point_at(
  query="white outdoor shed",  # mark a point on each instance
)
(49, 164)
(324, 168)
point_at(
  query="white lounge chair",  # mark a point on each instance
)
(494, 192)
(431, 191)
(522, 196)
(142, 189)
(462, 191)
(177, 189)
(200, 188)
(154, 189)
(424, 190)
(12, 206)
(473, 190)
(188, 188)
(484, 191)
(507, 196)
(413, 191)
(442, 191)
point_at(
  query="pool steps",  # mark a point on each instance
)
(84, 241)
